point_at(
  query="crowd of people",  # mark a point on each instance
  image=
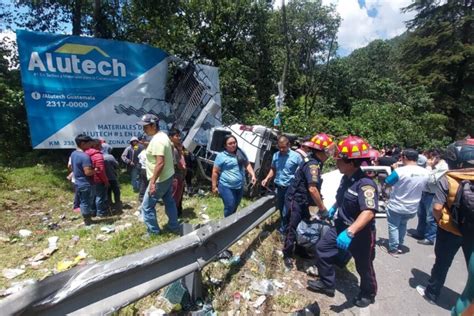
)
(420, 184)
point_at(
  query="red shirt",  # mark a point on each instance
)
(98, 165)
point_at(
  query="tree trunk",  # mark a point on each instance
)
(77, 17)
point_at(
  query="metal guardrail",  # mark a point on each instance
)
(104, 287)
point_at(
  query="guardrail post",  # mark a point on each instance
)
(192, 281)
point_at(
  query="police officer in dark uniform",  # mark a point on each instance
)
(304, 191)
(354, 229)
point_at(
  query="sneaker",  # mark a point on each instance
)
(288, 262)
(319, 286)
(394, 252)
(430, 298)
(362, 301)
(425, 242)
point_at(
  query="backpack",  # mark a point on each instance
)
(308, 233)
(462, 209)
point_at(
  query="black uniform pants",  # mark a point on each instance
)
(362, 249)
(296, 213)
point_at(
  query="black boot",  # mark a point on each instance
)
(319, 286)
(362, 301)
(88, 220)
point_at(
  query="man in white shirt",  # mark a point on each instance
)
(408, 183)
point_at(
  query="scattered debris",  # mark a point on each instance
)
(263, 287)
(215, 281)
(177, 294)
(45, 254)
(259, 301)
(68, 264)
(265, 234)
(12, 273)
(237, 296)
(240, 242)
(75, 239)
(279, 253)
(53, 242)
(312, 271)
(24, 233)
(153, 311)
(53, 226)
(123, 227)
(101, 237)
(4, 237)
(107, 229)
(16, 287)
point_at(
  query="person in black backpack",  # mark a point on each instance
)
(452, 232)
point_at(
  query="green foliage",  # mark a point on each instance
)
(415, 89)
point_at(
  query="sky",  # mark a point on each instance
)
(362, 21)
(366, 20)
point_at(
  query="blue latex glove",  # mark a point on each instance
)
(332, 211)
(343, 240)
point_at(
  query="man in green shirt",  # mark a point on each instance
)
(159, 171)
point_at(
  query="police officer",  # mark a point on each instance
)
(354, 229)
(304, 191)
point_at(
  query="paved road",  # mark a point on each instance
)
(398, 277)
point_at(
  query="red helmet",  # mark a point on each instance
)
(353, 147)
(321, 142)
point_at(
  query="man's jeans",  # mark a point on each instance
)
(101, 204)
(163, 191)
(231, 198)
(85, 199)
(397, 228)
(134, 173)
(280, 196)
(426, 222)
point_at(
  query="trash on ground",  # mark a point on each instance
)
(259, 301)
(53, 242)
(107, 229)
(312, 271)
(123, 227)
(240, 243)
(279, 253)
(75, 239)
(24, 233)
(101, 237)
(177, 294)
(4, 237)
(68, 264)
(263, 287)
(205, 216)
(215, 281)
(265, 234)
(12, 273)
(153, 311)
(237, 296)
(53, 226)
(43, 255)
(278, 284)
(16, 287)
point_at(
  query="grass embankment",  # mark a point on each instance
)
(39, 198)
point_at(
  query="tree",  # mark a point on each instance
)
(438, 54)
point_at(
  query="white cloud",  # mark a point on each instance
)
(358, 28)
(8, 38)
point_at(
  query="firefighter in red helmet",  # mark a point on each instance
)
(305, 190)
(354, 223)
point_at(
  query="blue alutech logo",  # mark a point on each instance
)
(64, 77)
(70, 59)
